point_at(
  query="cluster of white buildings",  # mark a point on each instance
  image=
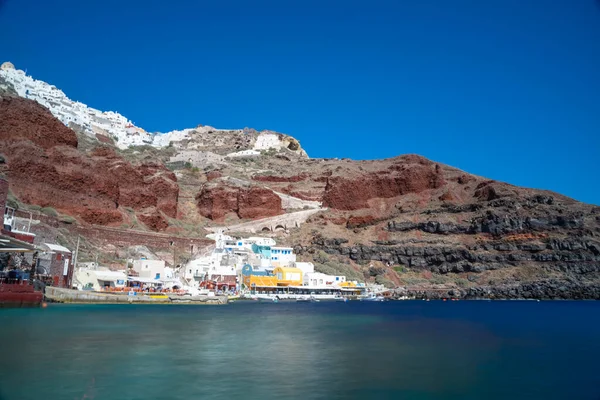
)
(253, 263)
(143, 273)
(112, 124)
(256, 256)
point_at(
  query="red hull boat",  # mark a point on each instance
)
(20, 294)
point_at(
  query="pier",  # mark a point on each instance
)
(62, 295)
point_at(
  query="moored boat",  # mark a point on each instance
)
(372, 297)
(307, 299)
(19, 294)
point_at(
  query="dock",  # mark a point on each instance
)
(70, 296)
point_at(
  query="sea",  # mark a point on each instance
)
(357, 350)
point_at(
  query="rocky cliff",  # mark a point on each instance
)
(46, 169)
(407, 222)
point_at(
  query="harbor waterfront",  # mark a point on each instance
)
(329, 350)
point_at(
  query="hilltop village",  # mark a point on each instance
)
(109, 124)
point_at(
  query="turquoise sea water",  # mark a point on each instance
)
(394, 350)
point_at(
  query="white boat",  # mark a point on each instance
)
(268, 299)
(372, 297)
(307, 299)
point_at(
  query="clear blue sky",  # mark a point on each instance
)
(507, 89)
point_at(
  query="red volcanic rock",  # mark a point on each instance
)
(154, 221)
(354, 193)
(212, 175)
(45, 168)
(101, 217)
(252, 203)
(60, 177)
(104, 151)
(257, 203)
(27, 120)
(273, 178)
(215, 203)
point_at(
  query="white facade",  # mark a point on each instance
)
(265, 141)
(153, 269)
(282, 256)
(305, 267)
(318, 279)
(205, 267)
(97, 279)
(244, 153)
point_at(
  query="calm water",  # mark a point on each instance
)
(396, 350)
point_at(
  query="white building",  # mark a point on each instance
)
(265, 141)
(98, 279)
(282, 256)
(153, 269)
(318, 279)
(305, 267)
(244, 153)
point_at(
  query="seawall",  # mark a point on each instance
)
(61, 295)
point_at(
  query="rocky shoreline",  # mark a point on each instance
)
(541, 290)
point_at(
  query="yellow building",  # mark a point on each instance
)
(259, 280)
(288, 276)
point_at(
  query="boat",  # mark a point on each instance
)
(19, 293)
(268, 299)
(307, 299)
(341, 299)
(372, 297)
(16, 287)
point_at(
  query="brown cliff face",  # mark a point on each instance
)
(27, 120)
(400, 179)
(45, 168)
(216, 202)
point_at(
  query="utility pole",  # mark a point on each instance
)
(74, 260)
(76, 253)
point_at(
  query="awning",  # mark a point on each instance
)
(11, 245)
(143, 280)
(110, 275)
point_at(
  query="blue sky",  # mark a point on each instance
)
(507, 89)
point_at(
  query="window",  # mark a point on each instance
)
(58, 256)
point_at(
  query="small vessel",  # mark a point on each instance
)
(269, 299)
(372, 297)
(307, 299)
